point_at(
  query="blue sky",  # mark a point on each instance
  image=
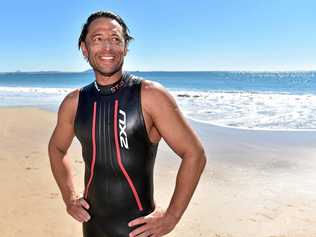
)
(169, 35)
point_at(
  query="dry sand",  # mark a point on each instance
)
(256, 183)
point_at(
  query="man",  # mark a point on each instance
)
(119, 121)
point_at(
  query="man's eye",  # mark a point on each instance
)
(117, 40)
(97, 39)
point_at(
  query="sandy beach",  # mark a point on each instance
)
(256, 183)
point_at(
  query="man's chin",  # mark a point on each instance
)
(108, 73)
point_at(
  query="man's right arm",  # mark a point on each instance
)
(59, 143)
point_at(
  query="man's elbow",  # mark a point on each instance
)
(53, 149)
(197, 156)
(201, 158)
(50, 147)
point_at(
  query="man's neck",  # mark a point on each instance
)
(108, 80)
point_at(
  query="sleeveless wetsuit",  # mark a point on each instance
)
(118, 155)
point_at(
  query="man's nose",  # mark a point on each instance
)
(107, 45)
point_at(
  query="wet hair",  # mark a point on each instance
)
(106, 14)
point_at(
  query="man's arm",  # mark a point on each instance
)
(59, 143)
(172, 126)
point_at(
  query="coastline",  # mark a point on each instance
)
(256, 183)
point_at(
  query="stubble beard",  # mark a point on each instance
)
(111, 73)
(106, 74)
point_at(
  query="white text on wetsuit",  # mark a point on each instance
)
(122, 125)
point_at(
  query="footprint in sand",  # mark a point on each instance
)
(223, 235)
(31, 168)
(30, 154)
(53, 195)
(267, 216)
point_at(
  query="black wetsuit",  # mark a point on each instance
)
(118, 155)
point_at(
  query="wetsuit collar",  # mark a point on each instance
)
(111, 89)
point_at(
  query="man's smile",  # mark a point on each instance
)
(107, 58)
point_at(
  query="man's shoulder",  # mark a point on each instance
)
(72, 96)
(149, 87)
(70, 102)
(155, 95)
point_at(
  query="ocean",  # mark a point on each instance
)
(246, 100)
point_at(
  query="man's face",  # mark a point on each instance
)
(105, 46)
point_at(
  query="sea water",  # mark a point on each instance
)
(251, 100)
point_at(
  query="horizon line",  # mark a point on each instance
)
(91, 70)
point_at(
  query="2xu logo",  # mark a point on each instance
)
(122, 126)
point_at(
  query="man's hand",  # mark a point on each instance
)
(156, 224)
(77, 209)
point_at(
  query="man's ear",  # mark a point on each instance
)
(125, 50)
(84, 50)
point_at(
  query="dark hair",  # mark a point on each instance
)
(106, 14)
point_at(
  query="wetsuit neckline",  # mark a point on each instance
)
(111, 89)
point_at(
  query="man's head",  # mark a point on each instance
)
(103, 41)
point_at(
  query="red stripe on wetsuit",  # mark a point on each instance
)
(93, 150)
(118, 157)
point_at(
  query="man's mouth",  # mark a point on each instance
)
(107, 58)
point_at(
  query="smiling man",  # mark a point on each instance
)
(119, 120)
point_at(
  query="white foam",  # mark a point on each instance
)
(267, 111)
(33, 96)
(260, 111)
(34, 90)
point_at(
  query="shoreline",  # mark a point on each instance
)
(190, 119)
(251, 129)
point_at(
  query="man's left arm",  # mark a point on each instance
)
(172, 126)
